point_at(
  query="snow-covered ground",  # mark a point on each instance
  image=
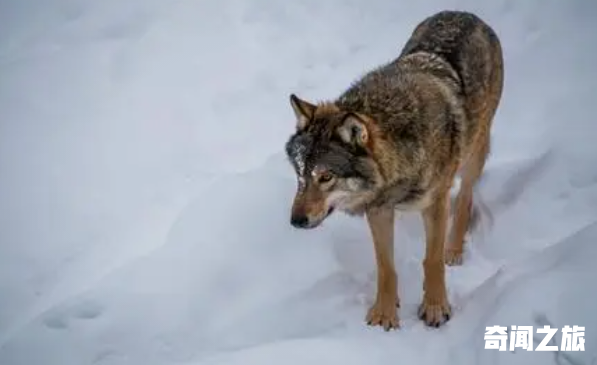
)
(144, 196)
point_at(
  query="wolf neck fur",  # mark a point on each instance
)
(426, 75)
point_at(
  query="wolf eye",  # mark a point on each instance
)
(325, 178)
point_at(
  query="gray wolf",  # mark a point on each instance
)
(394, 141)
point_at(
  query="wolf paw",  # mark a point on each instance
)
(435, 315)
(453, 257)
(384, 314)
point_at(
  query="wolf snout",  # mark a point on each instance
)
(299, 220)
(306, 221)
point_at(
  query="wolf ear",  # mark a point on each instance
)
(353, 130)
(303, 110)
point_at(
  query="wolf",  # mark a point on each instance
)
(394, 141)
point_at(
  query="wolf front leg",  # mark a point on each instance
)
(435, 309)
(383, 312)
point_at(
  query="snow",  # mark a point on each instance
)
(144, 214)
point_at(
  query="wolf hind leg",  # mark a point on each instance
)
(463, 212)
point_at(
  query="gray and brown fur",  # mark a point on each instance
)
(395, 140)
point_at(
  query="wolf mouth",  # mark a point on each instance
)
(330, 211)
(320, 221)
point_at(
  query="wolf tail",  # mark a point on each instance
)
(481, 214)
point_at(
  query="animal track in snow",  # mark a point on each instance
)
(88, 310)
(81, 311)
(56, 322)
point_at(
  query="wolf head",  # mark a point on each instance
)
(331, 152)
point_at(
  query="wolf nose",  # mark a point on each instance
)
(299, 221)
